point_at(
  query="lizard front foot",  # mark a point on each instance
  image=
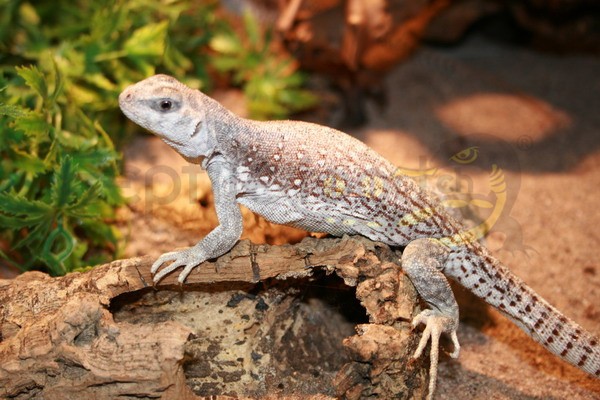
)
(435, 323)
(188, 258)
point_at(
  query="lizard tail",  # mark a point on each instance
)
(490, 280)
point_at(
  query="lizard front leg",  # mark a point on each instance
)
(423, 260)
(221, 239)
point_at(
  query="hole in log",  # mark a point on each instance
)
(275, 337)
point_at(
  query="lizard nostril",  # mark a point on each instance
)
(125, 97)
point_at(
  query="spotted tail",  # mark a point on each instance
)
(488, 279)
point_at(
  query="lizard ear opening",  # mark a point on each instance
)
(201, 137)
(196, 131)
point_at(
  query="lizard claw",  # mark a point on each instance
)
(435, 323)
(184, 258)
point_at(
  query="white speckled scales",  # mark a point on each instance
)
(323, 180)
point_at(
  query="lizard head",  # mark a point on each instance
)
(172, 111)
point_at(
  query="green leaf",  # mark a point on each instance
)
(263, 110)
(34, 79)
(78, 209)
(297, 99)
(17, 205)
(83, 96)
(252, 30)
(226, 44)
(28, 163)
(226, 63)
(95, 158)
(101, 82)
(15, 223)
(37, 235)
(107, 140)
(12, 111)
(58, 83)
(148, 41)
(52, 154)
(76, 258)
(63, 183)
(34, 125)
(29, 14)
(176, 61)
(4, 256)
(76, 141)
(111, 191)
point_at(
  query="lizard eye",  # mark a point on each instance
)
(165, 105)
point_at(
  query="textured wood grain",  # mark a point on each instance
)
(243, 325)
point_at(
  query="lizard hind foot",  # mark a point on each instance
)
(436, 324)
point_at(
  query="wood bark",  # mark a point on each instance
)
(259, 322)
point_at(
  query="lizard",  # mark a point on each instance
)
(323, 180)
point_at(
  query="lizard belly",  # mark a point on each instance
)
(285, 211)
(277, 210)
(317, 216)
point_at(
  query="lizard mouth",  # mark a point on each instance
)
(170, 142)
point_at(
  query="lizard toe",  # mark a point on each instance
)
(436, 324)
(168, 269)
(188, 259)
(186, 271)
(171, 256)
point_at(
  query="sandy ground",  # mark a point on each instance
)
(537, 118)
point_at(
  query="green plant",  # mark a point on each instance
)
(58, 169)
(271, 81)
(58, 163)
(102, 46)
(58, 189)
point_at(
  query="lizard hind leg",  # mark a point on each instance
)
(423, 260)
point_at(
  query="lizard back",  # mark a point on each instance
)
(308, 171)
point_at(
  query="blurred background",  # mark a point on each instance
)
(436, 71)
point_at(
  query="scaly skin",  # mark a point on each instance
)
(322, 180)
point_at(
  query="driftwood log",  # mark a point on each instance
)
(325, 318)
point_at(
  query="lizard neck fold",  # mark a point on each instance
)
(213, 131)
